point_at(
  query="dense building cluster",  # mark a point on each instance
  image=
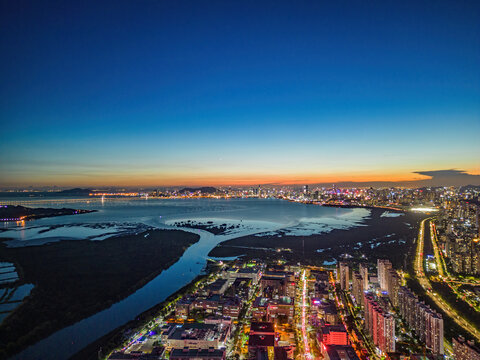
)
(259, 310)
(401, 198)
(427, 324)
(459, 238)
(252, 310)
(379, 323)
(385, 302)
(366, 292)
(262, 311)
(465, 350)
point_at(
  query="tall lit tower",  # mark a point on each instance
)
(363, 268)
(344, 275)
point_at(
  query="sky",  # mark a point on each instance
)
(162, 93)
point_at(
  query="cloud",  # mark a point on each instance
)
(452, 173)
(450, 177)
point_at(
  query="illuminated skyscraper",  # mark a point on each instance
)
(393, 282)
(357, 287)
(427, 324)
(379, 324)
(383, 266)
(434, 333)
(344, 275)
(364, 274)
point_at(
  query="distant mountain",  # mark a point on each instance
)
(76, 191)
(203, 190)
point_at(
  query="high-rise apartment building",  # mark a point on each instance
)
(383, 266)
(357, 287)
(387, 337)
(344, 275)
(363, 269)
(427, 324)
(379, 324)
(393, 283)
(434, 333)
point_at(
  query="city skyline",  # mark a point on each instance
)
(170, 94)
(438, 178)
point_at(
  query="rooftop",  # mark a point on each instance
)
(262, 327)
(341, 352)
(197, 353)
(197, 331)
(261, 340)
(248, 270)
(333, 328)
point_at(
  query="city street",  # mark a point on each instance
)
(306, 344)
(425, 283)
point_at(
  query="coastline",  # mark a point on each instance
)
(74, 280)
(292, 239)
(390, 233)
(362, 207)
(116, 337)
(17, 213)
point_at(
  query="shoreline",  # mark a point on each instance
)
(290, 238)
(222, 229)
(363, 207)
(91, 351)
(75, 280)
(375, 234)
(17, 213)
(117, 335)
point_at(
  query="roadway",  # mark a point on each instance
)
(306, 345)
(441, 267)
(425, 283)
(360, 342)
(448, 278)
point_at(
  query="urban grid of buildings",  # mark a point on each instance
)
(357, 310)
(257, 311)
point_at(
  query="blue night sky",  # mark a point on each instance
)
(237, 92)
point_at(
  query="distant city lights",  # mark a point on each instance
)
(424, 209)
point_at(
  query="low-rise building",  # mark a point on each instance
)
(242, 287)
(183, 307)
(157, 353)
(333, 335)
(210, 304)
(198, 336)
(231, 307)
(261, 339)
(339, 352)
(218, 287)
(197, 354)
(253, 273)
(329, 313)
(268, 309)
